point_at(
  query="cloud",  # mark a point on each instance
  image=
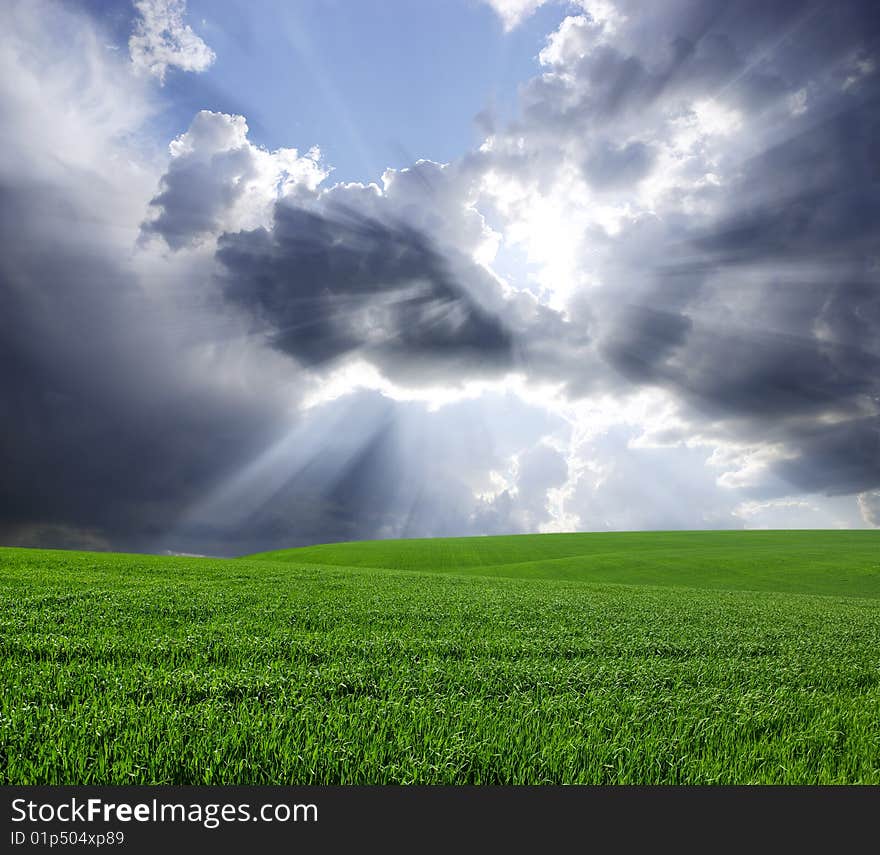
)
(520, 498)
(607, 166)
(217, 180)
(123, 411)
(125, 394)
(869, 505)
(59, 82)
(162, 40)
(363, 466)
(394, 275)
(329, 284)
(146, 412)
(539, 470)
(790, 513)
(722, 244)
(650, 300)
(695, 198)
(512, 12)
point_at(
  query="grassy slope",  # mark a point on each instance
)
(811, 562)
(141, 669)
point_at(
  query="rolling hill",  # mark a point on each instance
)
(844, 563)
(664, 658)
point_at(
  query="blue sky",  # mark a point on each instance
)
(372, 84)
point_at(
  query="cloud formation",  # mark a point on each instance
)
(869, 505)
(163, 40)
(121, 406)
(512, 12)
(649, 300)
(405, 471)
(218, 181)
(720, 165)
(391, 275)
(330, 284)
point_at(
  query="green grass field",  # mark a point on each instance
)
(702, 657)
(839, 563)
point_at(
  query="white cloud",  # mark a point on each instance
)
(869, 506)
(791, 512)
(750, 510)
(746, 465)
(71, 115)
(162, 40)
(569, 42)
(217, 180)
(512, 12)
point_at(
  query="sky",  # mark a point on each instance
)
(279, 273)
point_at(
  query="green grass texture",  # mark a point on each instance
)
(845, 563)
(667, 658)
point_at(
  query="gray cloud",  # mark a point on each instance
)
(838, 458)
(117, 414)
(217, 180)
(752, 297)
(752, 333)
(152, 397)
(869, 504)
(110, 432)
(329, 284)
(193, 196)
(681, 492)
(607, 166)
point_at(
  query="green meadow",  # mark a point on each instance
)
(643, 658)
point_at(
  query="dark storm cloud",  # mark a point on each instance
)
(749, 373)
(837, 458)
(644, 341)
(331, 283)
(127, 403)
(760, 312)
(764, 316)
(105, 439)
(813, 196)
(799, 243)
